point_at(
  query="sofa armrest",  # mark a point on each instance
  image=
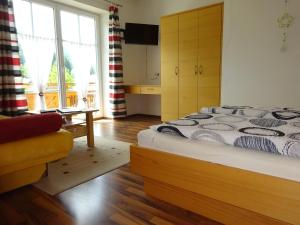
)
(16, 128)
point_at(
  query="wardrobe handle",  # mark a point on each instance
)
(176, 70)
(200, 69)
(196, 70)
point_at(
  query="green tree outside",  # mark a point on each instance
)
(69, 77)
(23, 68)
(53, 78)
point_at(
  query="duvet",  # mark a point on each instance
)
(274, 130)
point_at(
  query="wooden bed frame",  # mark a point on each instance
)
(226, 194)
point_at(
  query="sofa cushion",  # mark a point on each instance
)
(12, 129)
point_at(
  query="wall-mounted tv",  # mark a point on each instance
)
(143, 34)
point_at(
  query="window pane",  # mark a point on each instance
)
(80, 74)
(43, 15)
(48, 75)
(92, 87)
(38, 55)
(87, 30)
(23, 17)
(80, 61)
(70, 29)
(69, 61)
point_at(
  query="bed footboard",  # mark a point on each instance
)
(225, 194)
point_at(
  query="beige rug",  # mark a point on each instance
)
(84, 164)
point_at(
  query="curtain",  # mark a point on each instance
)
(82, 66)
(44, 55)
(116, 86)
(12, 97)
(39, 54)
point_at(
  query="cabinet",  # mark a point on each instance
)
(191, 45)
(169, 67)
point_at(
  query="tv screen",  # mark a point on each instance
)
(144, 34)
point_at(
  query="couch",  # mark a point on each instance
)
(24, 158)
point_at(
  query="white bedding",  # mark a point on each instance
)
(256, 161)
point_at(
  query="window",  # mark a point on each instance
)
(58, 61)
(79, 44)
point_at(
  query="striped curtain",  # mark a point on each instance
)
(116, 86)
(12, 98)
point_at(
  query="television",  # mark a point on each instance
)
(143, 34)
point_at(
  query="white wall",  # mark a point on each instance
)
(255, 72)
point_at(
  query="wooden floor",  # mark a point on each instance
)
(114, 198)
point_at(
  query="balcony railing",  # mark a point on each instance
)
(52, 97)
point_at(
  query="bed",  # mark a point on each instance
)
(222, 182)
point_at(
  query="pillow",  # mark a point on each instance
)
(16, 128)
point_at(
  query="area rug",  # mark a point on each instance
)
(83, 164)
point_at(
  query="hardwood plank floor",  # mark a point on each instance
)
(114, 198)
(124, 129)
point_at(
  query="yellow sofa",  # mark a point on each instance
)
(24, 161)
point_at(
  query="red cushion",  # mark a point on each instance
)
(16, 128)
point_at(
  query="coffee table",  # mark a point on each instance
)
(78, 127)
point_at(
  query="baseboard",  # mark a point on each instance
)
(142, 114)
(129, 116)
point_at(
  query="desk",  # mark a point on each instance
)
(142, 89)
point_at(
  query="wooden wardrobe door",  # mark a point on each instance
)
(169, 68)
(209, 56)
(188, 52)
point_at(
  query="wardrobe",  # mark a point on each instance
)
(191, 49)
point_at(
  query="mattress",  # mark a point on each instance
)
(255, 161)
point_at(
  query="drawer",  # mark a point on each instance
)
(150, 90)
(133, 89)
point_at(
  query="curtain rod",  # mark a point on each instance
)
(113, 3)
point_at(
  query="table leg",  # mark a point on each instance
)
(90, 129)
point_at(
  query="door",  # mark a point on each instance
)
(209, 55)
(80, 58)
(188, 52)
(169, 68)
(36, 35)
(58, 55)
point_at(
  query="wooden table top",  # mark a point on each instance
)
(73, 111)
